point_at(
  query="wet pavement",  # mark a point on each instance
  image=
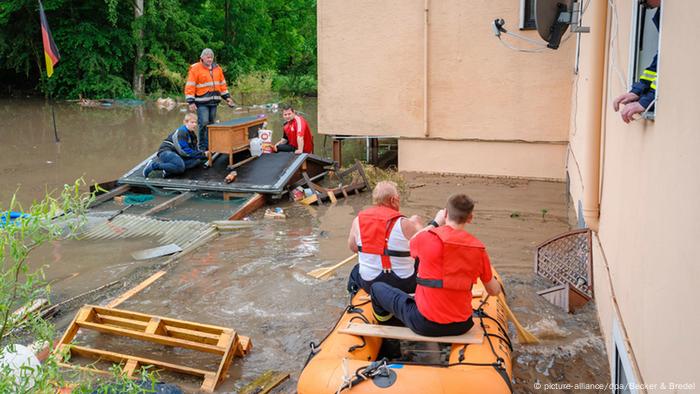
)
(254, 279)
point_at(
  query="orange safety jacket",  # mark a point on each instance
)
(205, 86)
(461, 261)
(376, 224)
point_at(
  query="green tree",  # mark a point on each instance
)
(108, 48)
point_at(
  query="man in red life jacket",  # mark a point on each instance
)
(449, 262)
(380, 235)
(297, 134)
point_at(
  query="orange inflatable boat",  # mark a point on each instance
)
(350, 359)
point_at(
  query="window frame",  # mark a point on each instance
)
(620, 363)
(634, 69)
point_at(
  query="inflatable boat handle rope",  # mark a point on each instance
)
(316, 347)
(361, 374)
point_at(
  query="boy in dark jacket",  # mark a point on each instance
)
(178, 152)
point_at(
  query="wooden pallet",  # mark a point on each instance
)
(159, 330)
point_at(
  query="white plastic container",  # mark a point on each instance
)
(256, 146)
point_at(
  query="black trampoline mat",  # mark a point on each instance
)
(267, 169)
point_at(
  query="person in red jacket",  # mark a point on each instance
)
(450, 260)
(205, 88)
(297, 134)
(380, 235)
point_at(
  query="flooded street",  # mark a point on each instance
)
(254, 279)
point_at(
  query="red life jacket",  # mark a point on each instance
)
(461, 261)
(376, 224)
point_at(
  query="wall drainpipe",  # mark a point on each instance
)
(596, 63)
(426, 70)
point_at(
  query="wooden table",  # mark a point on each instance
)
(233, 136)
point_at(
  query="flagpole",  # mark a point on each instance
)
(53, 116)
(52, 57)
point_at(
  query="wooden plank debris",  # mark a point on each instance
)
(179, 199)
(255, 202)
(264, 383)
(18, 318)
(54, 308)
(136, 289)
(229, 225)
(342, 190)
(240, 163)
(473, 336)
(221, 341)
(109, 195)
(310, 199)
(323, 272)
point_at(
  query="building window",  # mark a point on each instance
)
(621, 374)
(527, 15)
(645, 46)
(620, 381)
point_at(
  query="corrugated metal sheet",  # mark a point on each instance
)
(180, 232)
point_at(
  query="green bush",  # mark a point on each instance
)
(253, 88)
(295, 85)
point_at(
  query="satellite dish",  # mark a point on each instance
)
(553, 17)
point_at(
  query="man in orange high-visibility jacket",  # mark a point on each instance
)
(205, 88)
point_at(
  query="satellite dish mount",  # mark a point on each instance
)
(553, 17)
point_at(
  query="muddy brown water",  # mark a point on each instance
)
(254, 279)
(101, 144)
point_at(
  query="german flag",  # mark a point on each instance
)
(50, 51)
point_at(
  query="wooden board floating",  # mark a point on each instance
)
(473, 336)
(221, 341)
(136, 289)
